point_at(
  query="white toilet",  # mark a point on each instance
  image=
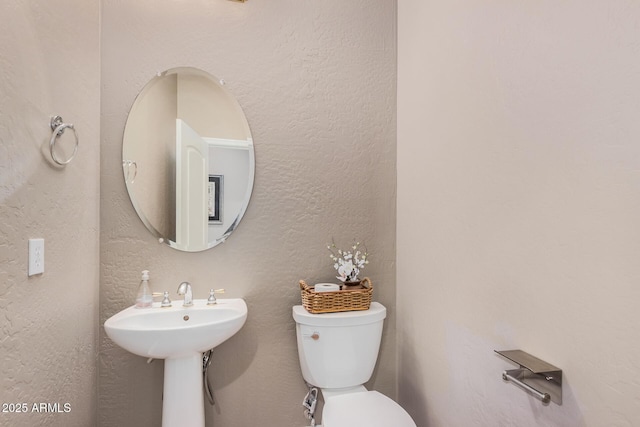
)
(338, 352)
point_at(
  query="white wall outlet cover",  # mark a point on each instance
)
(36, 256)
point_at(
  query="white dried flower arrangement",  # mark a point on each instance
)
(348, 263)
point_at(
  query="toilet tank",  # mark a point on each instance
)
(339, 350)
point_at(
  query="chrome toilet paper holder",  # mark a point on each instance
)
(537, 377)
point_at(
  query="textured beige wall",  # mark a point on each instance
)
(49, 64)
(317, 83)
(518, 198)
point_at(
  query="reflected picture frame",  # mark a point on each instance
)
(215, 190)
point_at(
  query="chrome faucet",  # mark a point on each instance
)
(185, 289)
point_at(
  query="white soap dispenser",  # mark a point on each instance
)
(144, 299)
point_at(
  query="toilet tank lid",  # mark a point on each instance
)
(369, 408)
(376, 312)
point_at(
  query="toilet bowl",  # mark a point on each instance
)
(366, 408)
(338, 353)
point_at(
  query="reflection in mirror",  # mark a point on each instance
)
(188, 159)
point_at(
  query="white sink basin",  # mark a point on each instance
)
(176, 331)
(179, 335)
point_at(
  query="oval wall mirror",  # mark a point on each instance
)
(188, 159)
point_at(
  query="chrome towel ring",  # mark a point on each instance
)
(58, 127)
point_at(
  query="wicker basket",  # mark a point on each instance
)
(335, 301)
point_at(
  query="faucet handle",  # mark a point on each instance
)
(212, 296)
(166, 302)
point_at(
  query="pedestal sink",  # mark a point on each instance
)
(179, 335)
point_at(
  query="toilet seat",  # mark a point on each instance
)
(367, 408)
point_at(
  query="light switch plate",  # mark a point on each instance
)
(36, 256)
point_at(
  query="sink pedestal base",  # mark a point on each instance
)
(183, 401)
